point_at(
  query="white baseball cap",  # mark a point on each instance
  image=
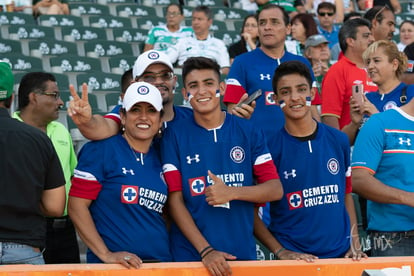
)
(146, 59)
(142, 92)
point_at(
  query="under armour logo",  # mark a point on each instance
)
(125, 171)
(196, 158)
(263, 76)
(402, 141)
(292, 174)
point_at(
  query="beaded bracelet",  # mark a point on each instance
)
(204, 250)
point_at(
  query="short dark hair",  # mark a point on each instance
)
(274, 6)
(291, 68)
(180, 7)
(205, 9)
(326, 5)
(376, 13)
(349, 30)
(31, 82)
(354, 14)
(126, 80)
(199, 63)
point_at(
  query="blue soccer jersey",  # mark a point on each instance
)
(385, 147)
(315, 174)
(235, 152)
(252, 71)
(128, 193)
(391, 100)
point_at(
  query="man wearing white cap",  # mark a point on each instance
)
(117, 196)
(152, 67)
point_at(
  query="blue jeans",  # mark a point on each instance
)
(16, 253)
(387, 244)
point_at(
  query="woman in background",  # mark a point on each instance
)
(249, 38)
(303, 26)
(406, 34)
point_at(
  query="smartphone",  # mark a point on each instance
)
(256, 94)
(358, 93)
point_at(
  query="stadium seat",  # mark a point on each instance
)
(100, 84)
(105, 49)
(25, 33)
(209, 3)
(82, 34)
(112, 100)
(113, 3)
(120, 64)
(147, 23)
(218, 26)
(136, 37)
(14, 18)
(109, 23)
(85, 10)
(47, 48)
(21, 63)
(133, 12)
(407, 7)
(74, 65)
(57, 21)
(8, 46)
(228, 37)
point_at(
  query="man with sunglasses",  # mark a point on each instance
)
(326, 19)
(382, 22)
(38, 106)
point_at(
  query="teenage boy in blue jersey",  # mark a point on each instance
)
(316, 217)
(214, 223)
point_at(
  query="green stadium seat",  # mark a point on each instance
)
(120, 64)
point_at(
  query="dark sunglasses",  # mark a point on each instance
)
(326, 13)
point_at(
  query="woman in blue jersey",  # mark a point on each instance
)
(118, 193)
(385, 66)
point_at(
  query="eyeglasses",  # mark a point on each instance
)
(173, 14)
(326, 14)
(152, 77)
(55, 95)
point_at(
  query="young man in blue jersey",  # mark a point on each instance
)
(316, 216)
(212, 161)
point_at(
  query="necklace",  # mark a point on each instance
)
(138, 159)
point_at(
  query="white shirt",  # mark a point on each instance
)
(211, 47)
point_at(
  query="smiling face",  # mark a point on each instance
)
(293, 92)
(141, 122)
(379, 68)
(161, 76)
(202, 88)
(407, 33)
